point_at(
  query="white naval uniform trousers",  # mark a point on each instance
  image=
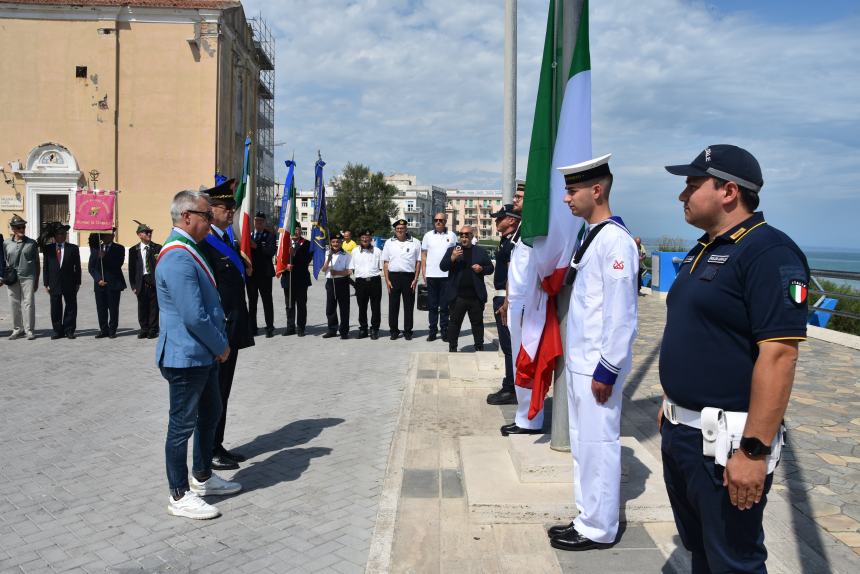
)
(601, 327)
(522, 280)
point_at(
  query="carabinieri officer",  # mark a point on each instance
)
(736, 313)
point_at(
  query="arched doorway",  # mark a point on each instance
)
(52, 177)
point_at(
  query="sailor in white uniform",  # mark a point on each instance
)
(522, 282)
(601, 327)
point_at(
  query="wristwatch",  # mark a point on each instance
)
(754, 447)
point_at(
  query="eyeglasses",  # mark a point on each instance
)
(438, 221)
(207, 215)
(465, 234)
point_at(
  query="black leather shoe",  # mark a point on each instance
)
(270, 332)
(576, 542)
(374, 334)
(408, 335)
(300, 331)
(394, 335)
(345, 336)
(431, 337)
(70, 335)
(444, 337)
(141, 335)
(223, 463)
(153, 334)
(452, 349)
(234, 456)
(502, 398)
(479, 347)
(514, 429)
(330, 334)
(56, 336)
(112, 336)
(362, 334)
(101, 335)
(289, 331)
(562, 530)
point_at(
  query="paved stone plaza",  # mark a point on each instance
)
(82, 487)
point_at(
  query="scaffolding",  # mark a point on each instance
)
(264, 45)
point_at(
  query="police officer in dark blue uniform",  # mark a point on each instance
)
(736, 313)
(506, 224)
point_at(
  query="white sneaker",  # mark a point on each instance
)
(16, 335)
(192, 506)
(215, 485)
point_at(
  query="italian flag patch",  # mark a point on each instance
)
(797, 292)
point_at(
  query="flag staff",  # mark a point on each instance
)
(509, 137)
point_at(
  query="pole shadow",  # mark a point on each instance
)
(290, 435)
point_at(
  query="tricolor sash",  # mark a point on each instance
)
(181, 242)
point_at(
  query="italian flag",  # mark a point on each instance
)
(287, 222)
(243, 207)
(797, 290)
(561, 135)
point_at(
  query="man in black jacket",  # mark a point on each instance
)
(62, 279)
(141, 274)
(230, 273)
(295, 282)
(260, 282)
(466, 265)
(105, 267)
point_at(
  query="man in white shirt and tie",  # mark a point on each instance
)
(141, 277)
(62, 279)
(366, 264)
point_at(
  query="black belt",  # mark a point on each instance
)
(367, 278)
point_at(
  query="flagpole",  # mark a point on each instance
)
(509, 137)
(567, 25)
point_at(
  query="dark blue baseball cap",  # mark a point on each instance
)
(507, 210)
(724, 161)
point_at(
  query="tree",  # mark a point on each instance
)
(363, 201)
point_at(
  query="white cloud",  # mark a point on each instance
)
(417, 87)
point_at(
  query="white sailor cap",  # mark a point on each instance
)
(520, 184)
(586, 170)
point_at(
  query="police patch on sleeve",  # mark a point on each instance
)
(797, 291)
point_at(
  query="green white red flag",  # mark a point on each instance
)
(243, 207)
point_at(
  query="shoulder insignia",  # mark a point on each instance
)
(737, 234)
(618, 265)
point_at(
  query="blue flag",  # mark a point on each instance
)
(287, 195)
(319, 233)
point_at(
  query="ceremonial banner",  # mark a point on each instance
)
(548, 225)
(319, 233)
(94, 210)
(287, 222)
(243, 204)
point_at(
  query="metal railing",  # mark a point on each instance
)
(815, 274)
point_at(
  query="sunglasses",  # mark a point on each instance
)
(207, 215)
(438, 221)
(465, 234)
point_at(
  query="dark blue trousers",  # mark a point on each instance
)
(505, 344)
(437, 312)
(721, 537)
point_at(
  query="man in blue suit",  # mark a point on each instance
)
(191, 343)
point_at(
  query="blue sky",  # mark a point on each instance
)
(416, 87)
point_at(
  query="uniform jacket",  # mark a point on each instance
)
(455, 268)
(135, 263)
(65, 278)
(111, 264)
(231, 287)
(261, 256)
(192, 329)
(28, 266)
(301, 273)
(601, 324)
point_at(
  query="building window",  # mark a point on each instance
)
(81, 72)
(304, 203)
(304, 217)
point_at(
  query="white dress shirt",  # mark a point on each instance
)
(402, 256)
(436, 243)
(143, 253)
(339, 262)
(366, 262)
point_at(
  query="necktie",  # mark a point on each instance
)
(59, 254)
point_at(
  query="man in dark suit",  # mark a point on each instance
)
(105, 267)
(62, 279)
(230, 272)
(465, 292)
(260, 281)
(141, 274)
(295, 282)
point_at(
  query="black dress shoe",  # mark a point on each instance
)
(270, 332)
(514, 429)
(431, 337)
(141, 335)
(562, 530)
(362, 334)
(479, 347)
(444, 337)
(70, 335)
(301, 331)
(502, 398)
(223, 463)
(101, 335)
(374, 334)
(576, 542)
(345, 336)
(234, 456)
(153, 334)
(394, 335)
(112, 336)
(56, 336)
(289, 331)
(408, 335)
(329, 335)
